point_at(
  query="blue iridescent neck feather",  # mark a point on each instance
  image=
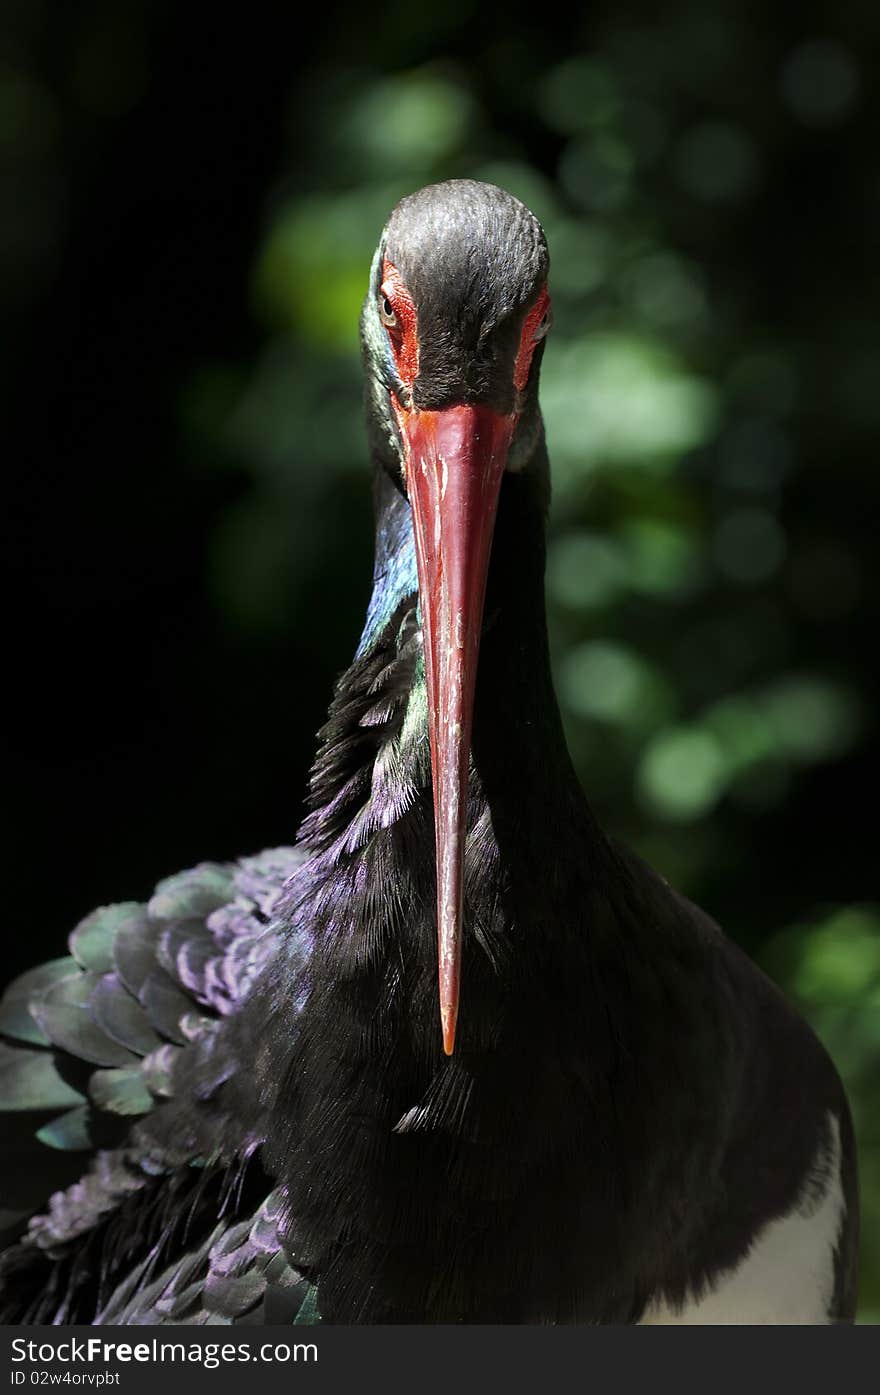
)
(394, 568)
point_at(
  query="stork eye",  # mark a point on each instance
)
(386, 310)
(543, 325)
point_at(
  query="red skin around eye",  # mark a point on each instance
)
(403, 335)
(528, 343)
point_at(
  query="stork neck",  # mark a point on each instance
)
(519, 746)
(517, 727)
(394, 565)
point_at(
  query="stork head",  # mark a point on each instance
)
(453, 329)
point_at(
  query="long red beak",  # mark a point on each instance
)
(455, 461)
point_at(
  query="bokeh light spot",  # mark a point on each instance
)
(842, 957)
(618, 397)
(611, 682)
(749, 545)
(596, 173)
(577, 94)
(408, 120)
(765, 381)
(682, 773)
(753, 455)
(820, 82)
(716, 162)
(662, 558)
(664, 292)
(813, 718)
(581, 256)
(585, 570)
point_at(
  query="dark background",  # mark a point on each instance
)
(189, 203)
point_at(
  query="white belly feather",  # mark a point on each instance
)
(787, 1275)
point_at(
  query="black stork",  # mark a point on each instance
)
(616, 1118)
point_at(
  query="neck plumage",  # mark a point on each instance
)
(379, 716)
(534, 849)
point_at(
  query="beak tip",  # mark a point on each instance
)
(448, 949)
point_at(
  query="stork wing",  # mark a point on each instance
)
(118, 1069)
